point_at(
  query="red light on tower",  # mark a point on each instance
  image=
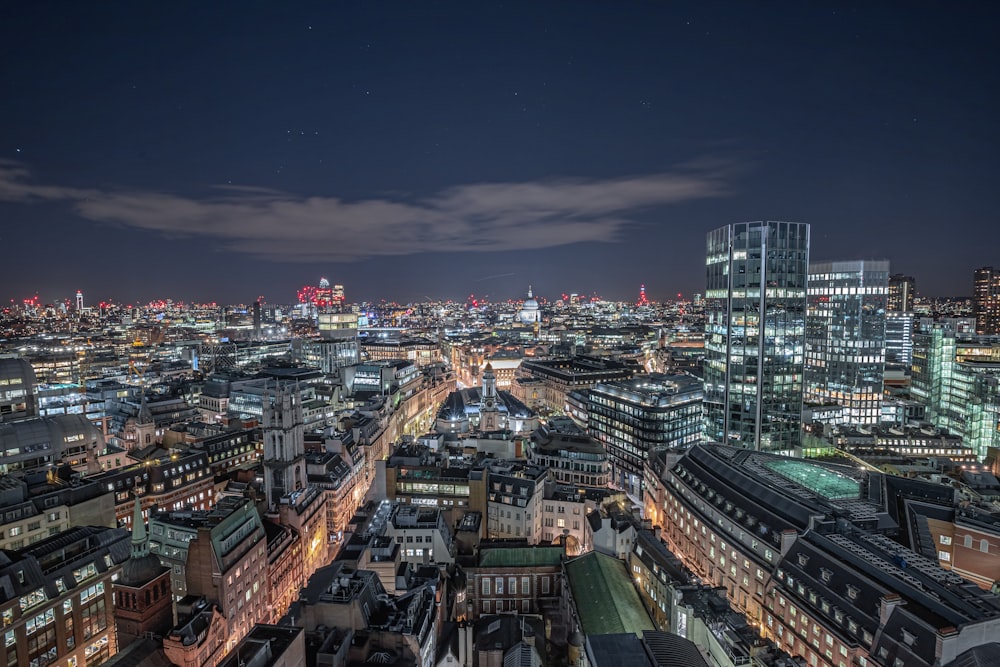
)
(643, 300)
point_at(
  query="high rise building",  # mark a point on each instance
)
(755, 313)
(902, 289)
(899, 338)
(639, 416)
(986, 300)
(957, 376)
(845, 337)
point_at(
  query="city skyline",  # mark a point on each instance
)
(425, 152)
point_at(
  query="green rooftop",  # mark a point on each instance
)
(821, 481)
(520, 557)
(605, 597)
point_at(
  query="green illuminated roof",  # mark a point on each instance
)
(520, 557)
(605, 597)
(821, 481)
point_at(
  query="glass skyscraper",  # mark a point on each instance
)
(845, 337)
(755, 319)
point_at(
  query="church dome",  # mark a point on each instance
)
(529, 310)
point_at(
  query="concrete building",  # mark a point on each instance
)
(484, 409)
(200, 638)
(755, 318)
(422, 534)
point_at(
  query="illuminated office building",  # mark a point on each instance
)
(845, 337)
(902, 289)
(986, 300)
(635, 417)
(755, 313)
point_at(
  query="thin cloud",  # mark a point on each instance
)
(478, 217)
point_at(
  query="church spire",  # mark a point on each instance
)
(145, 415)
(140, 540)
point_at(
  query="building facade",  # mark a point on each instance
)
(902, 289)
(57, 604)
(804, 551)
(986, 300)
(641, 415)
(755, 316)
(845, 337)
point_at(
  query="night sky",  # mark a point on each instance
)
(411, 150)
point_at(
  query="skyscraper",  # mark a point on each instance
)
(755, 313)
(845, 337)
(986, 300)
(901, 292)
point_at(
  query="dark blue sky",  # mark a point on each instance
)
(217, 151)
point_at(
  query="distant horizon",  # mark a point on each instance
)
(88, 303)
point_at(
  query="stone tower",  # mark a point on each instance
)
(489, 409)
(284, 444)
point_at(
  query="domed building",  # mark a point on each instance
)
(484, 409)
(529, 313)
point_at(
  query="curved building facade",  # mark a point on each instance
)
(804, 550)
(32, 444)
(17, 389)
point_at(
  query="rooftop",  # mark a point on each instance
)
(605, 598)
(533, 556)
(823, 481)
